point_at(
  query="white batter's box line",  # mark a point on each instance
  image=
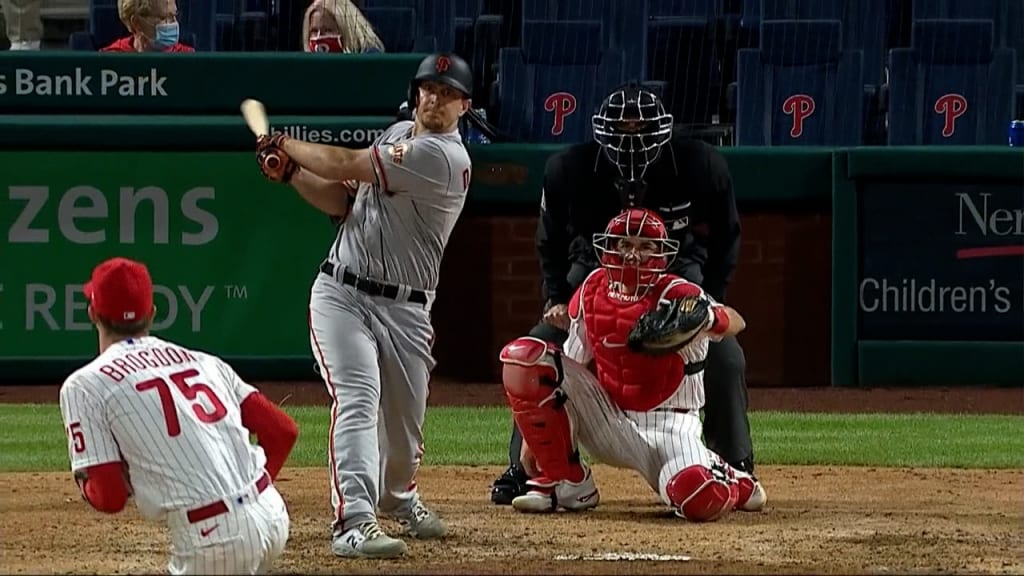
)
(625, 557)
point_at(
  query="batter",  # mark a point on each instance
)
(369, 313)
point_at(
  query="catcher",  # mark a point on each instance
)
(647, 332)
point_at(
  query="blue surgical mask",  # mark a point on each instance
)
(166, 36)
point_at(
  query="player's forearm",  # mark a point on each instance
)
(728, 322)
(330, 162)
(327, 196)
(275, 431)
(104, 487)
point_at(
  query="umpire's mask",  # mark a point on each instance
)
(631, 128)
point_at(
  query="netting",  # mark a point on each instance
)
(745, 72)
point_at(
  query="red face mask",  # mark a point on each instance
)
(326, 44)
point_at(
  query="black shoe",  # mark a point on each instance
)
(745, 465)
(510, 484)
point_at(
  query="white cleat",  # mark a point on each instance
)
(423, 523)
(546, 495)
(367, 540)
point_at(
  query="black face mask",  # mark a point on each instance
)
(631, 192)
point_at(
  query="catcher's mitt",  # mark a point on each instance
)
(275, 164)
(671, 326)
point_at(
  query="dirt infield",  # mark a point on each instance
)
(818, 519)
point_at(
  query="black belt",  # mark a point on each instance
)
(372, 287)
(694, 367)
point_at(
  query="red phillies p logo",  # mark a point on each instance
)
(800, 107)
(443, 63)
(951, 106)
(563, 105)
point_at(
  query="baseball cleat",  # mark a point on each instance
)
(423, 523)
(367, 540)
(752, 495)
(508, 486)
(546, 495)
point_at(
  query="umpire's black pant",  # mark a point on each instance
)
(726, 428)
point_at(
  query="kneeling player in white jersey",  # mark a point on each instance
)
(171, 426)
(640, 411)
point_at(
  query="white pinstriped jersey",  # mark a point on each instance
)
(172, 414)
(688, 394)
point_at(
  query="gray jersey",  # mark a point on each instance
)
(399, 225)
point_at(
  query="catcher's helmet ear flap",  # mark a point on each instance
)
(446, 68)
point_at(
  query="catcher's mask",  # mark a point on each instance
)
(635, 249)
(632, 126)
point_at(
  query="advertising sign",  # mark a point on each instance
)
(232, 256)
(941, 261)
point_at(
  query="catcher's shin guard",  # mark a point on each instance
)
(702, 494)
(532, 373)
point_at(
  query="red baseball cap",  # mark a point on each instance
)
(120, 290)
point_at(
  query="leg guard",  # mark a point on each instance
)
(702, 494)
(532, 373)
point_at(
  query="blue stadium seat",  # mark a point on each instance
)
(437, 21)
(682, 50)
(433, 21)
(549, 88)
(478, 39)
(800, 97)
(200, 18)
(624, 23)
(396, 27)
(750, 16)
(963, 10)
(951, 87)
(242, 25)
(864, 26)
(104, 25)
(561, 10)
(1015, 41)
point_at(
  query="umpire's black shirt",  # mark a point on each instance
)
(689, 187)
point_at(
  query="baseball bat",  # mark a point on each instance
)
(256, 117)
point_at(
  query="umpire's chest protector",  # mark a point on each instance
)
(634, 381)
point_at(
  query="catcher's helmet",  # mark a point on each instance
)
(635, 249)
(445, 68)
(631, 126)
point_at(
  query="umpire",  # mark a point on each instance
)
(636, 160)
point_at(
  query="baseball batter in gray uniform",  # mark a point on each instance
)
(369, 311)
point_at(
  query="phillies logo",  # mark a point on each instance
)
(563, 105)
(443, 64)
(800, 107)
(951, 106)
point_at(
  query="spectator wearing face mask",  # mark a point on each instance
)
(338, 26)
(153, 25)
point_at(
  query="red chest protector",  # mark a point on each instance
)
(634, 381)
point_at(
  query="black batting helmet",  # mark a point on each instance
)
(445, 68)
(631, 127)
